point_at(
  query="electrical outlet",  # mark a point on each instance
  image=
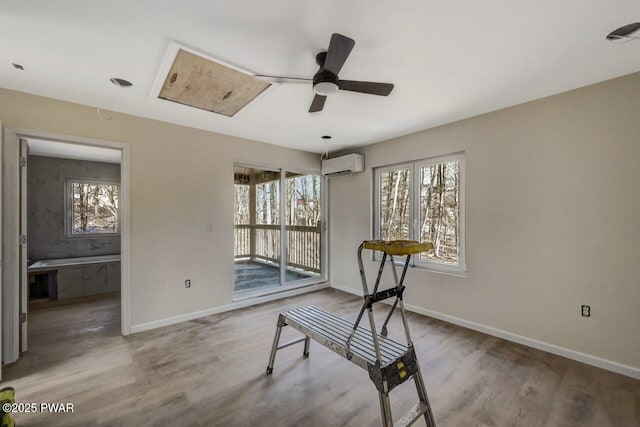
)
(210, 228)
(586, 311)
(187, 283)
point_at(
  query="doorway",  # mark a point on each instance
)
(72, 248)
(73, 229)
(278, 226)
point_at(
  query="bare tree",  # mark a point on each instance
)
(95, 207)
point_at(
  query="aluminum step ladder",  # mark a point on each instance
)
(388, 362)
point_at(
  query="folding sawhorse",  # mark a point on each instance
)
(388, 362)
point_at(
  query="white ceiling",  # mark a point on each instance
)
(64, 150)
(448, 60)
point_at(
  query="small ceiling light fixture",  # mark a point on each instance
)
(624, 34)
(120, 82)
(325, 153)
(17, 66)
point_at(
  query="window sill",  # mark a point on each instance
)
(462, 274)
(92, 236)
(400, 263)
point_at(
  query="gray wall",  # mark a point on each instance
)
(46, 177)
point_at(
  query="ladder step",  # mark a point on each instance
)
(414, 414)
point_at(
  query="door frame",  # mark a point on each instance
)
(10, 237)
(1, 244)
(23, 282)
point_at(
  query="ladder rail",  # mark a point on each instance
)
(400, 298)
(365, 290)
(383, 330)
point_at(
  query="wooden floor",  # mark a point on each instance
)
(211, 372)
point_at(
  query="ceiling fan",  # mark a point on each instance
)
(326, 81)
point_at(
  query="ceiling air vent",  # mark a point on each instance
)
(202, 83)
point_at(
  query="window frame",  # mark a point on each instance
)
(68, 217)
(414, 167)
(377, 210)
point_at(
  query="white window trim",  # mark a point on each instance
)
(68, 209)
(414, 214)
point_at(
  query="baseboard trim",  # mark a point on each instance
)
(346, 289)
(223, 308)
(599, 362)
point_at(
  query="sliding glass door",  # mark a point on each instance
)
(257, 248)
(303, 229)
(278, 216)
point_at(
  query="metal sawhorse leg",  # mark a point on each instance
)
(277, 346)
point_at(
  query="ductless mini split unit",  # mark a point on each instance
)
(343, 165)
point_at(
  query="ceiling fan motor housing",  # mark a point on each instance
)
(324, 82)
(320, 58)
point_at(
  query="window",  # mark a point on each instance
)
(93, 208)
(241, 203)
(268, 202)
(395, 203)
(424, 200)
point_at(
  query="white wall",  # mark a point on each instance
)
(181, 180)
(552, 217)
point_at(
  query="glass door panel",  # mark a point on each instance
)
(257, 246)
(303, 226)
(394, 193)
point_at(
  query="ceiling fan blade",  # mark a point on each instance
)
(382, 89)
(339, 49)
(317, 104)
(281, 79)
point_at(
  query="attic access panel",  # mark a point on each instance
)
(202, 83)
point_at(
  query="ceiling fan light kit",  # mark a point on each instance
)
(120, 83)
(325, 88)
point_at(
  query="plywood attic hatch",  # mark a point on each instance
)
(205, 84)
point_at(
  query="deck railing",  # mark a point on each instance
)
(263, 242)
